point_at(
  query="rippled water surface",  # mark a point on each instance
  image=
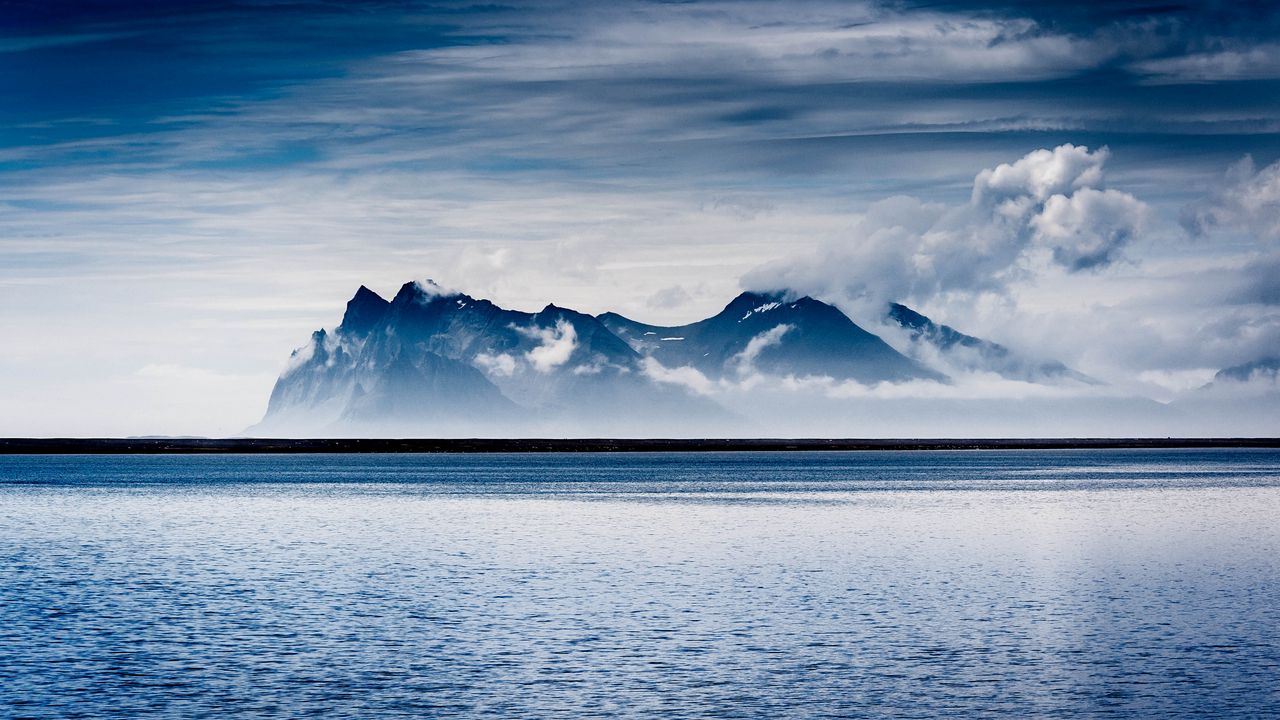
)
(878, 584)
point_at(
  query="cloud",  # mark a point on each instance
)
(1258, 282)
(756, 387)
(669, 297)
(756, 345)
(658, 87)
(1089, 228)
(500, 365)
(1247, 199)
(685, 376)
(1265, 370)
(819, 41)
(1176, 381)
(1252, 62)
(973, 385)
(299, 357)
(431, 289)
(1039, 175)
(181, 373)
(557, 345)
(904, 248)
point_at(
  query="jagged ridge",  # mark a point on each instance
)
(443, 362)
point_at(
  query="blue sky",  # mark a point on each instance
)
(187, 189)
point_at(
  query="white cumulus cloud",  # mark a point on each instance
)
(903, 248)
(557, 345)
(1041, 174)
(684, 376)
(1090, 227)
(500, 365)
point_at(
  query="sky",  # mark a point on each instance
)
(187, 190)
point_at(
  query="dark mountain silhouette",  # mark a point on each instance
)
(449, 363)
(443, 363)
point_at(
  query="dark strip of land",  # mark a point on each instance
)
(109, 446)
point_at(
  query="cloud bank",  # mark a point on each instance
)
(1047, 203)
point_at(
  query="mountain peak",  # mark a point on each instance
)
(820, 340)
(364, 293)
(751, 302)
(433, 358)
(423, 291)
(365, 309)
(907, 317)
(757, 297)
(431, 287)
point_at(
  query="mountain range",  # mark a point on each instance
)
(443, 362)
(766, 332)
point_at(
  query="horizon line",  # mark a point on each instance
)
(243, 445)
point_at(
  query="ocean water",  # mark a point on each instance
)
(1117, 583)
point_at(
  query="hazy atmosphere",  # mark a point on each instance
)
(188, 191)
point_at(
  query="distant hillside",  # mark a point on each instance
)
(972, 353)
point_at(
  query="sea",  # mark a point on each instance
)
(967, 584)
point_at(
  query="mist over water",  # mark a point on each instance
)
(1022, 583)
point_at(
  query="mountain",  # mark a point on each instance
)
(967, 352)
(1267, 368)
(431, 360)
(439, 362)
(766, 332)
(1241, 399)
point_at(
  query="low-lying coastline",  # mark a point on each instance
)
(152, 446)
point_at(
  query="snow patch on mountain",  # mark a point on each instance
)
(761, 309)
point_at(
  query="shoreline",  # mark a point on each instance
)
(188, 446)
